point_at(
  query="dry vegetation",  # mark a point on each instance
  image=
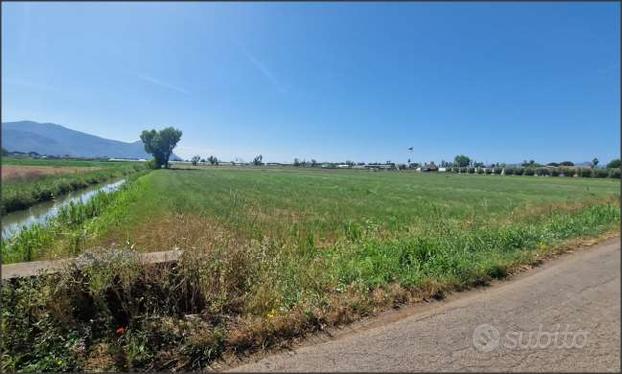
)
(272, 255)
(31, 173)
(26, 182)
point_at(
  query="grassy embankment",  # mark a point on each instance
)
(274, 254)
(31, 181)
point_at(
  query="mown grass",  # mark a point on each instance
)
(20, 194)
(270, 255)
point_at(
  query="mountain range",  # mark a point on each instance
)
(55, 140)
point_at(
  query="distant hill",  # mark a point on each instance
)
(55, 140)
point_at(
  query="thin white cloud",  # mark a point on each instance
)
(163, 84)
(263, 69)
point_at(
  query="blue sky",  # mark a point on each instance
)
(330, 81)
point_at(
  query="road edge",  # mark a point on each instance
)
(574, 247)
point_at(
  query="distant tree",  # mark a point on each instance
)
(595, 162)
(160, 144)
(555, 164)
(4, 152)
(530, 164)
(313, 163)
(566, 163)
(195, 160)
(350, 163)
(296, 162)
(258, 161)
(462, 161)
(478, 164)
(212, 160)
(614, 164)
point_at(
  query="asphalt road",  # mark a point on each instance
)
(563, 316)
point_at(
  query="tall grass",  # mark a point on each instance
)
(274, 255)
(64, 235)
(18, 195)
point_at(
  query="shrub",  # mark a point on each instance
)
(554, 172)
(568, 172)
(463, 170)
(509, 171)
(471, 170)
(480, 171)
(488, 171)
(151, 164)
(614, 173)
(529, 171)
(585, 172)
(600, 173)
(543, 171)
(497, 170)
(519, 171)
(614, 164)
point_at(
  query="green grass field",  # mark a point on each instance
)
(37, 186)
(274, 253)
(324, 207)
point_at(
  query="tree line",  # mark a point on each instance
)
(160, 145)
(465, 161)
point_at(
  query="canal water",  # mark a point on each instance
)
(15, 222)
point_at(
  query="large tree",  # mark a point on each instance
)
(160, 144)
(462, 161)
